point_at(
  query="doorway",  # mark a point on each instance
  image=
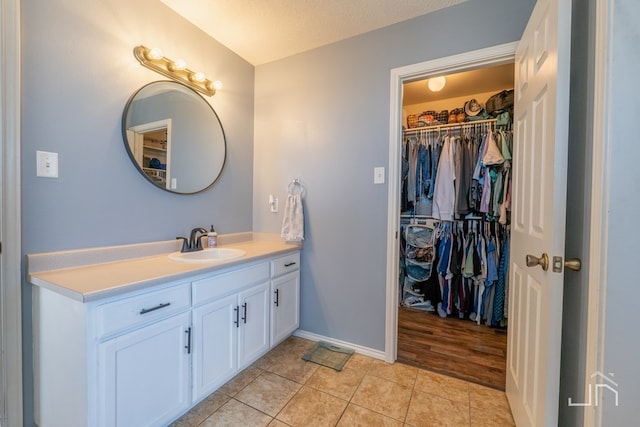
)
(482, 59)
(455, 326)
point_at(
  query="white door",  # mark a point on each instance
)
(538, 218)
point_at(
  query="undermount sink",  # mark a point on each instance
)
(207, 255)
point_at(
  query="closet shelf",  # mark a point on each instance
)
(435, 128)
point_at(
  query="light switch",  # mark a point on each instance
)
(378, 175)
(273, 202)
(174, 183)
(46, 164)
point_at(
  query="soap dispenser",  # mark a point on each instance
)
(212, 238)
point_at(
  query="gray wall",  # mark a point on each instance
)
(78, 71)
(622, 346)
(323, 116)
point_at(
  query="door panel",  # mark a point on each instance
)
(145, 374)
(538, 220)
(253, 334)
(214, 355)
(285, 316)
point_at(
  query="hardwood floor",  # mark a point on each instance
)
(454, 347)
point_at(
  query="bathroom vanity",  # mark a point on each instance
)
(137, 339)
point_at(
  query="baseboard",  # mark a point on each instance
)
(376, 354)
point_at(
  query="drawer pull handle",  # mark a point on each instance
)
(157, 307)
(188, 346)
(277, 301)
(237, 321)
(244, 317)
(289, 264)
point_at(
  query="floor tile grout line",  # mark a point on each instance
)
(351, 397)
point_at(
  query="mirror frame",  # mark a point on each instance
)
(131, 155)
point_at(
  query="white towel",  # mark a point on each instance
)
(293, 221)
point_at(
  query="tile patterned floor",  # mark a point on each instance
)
(281, 390)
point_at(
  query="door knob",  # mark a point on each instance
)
(543, 261)
(573, 264)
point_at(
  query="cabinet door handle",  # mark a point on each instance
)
(244, 317)
(157, 307)
(289, 264)
(188, 346)
(237, 321)
(277, 301)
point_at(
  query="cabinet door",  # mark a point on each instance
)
(285, 307)
(145, 374)
(214, 345)
(253, 334)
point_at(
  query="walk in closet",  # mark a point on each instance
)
(455, 218)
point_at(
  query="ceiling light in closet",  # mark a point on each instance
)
(436, 84)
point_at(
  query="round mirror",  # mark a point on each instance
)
(174, 137)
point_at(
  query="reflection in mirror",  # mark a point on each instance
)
(174, 137)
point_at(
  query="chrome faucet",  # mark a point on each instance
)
(194, 243)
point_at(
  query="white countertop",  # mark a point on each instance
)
(96, 273)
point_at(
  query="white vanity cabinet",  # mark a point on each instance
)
(144, 357)
(123, 361)
(145, 374)
(285, 294)
(230, 325)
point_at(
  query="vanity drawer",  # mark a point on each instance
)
(285, 264)
(129, 312)
(226, 283)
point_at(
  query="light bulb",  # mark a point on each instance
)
(217, 85)
(155, 53)
(178, 64)
(436, 84)
(198, 77)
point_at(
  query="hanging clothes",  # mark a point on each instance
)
(444, 193)
(446, 177)
(456, 262)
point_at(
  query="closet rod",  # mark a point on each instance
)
(448, 126)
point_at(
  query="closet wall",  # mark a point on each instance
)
(455, 233)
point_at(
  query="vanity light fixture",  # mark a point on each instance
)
(176, 70)
(436, 84)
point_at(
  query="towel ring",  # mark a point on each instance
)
(291, 188)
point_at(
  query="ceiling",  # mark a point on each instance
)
(263, 31)
(488, 79)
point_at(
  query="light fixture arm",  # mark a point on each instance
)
(169, 68)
